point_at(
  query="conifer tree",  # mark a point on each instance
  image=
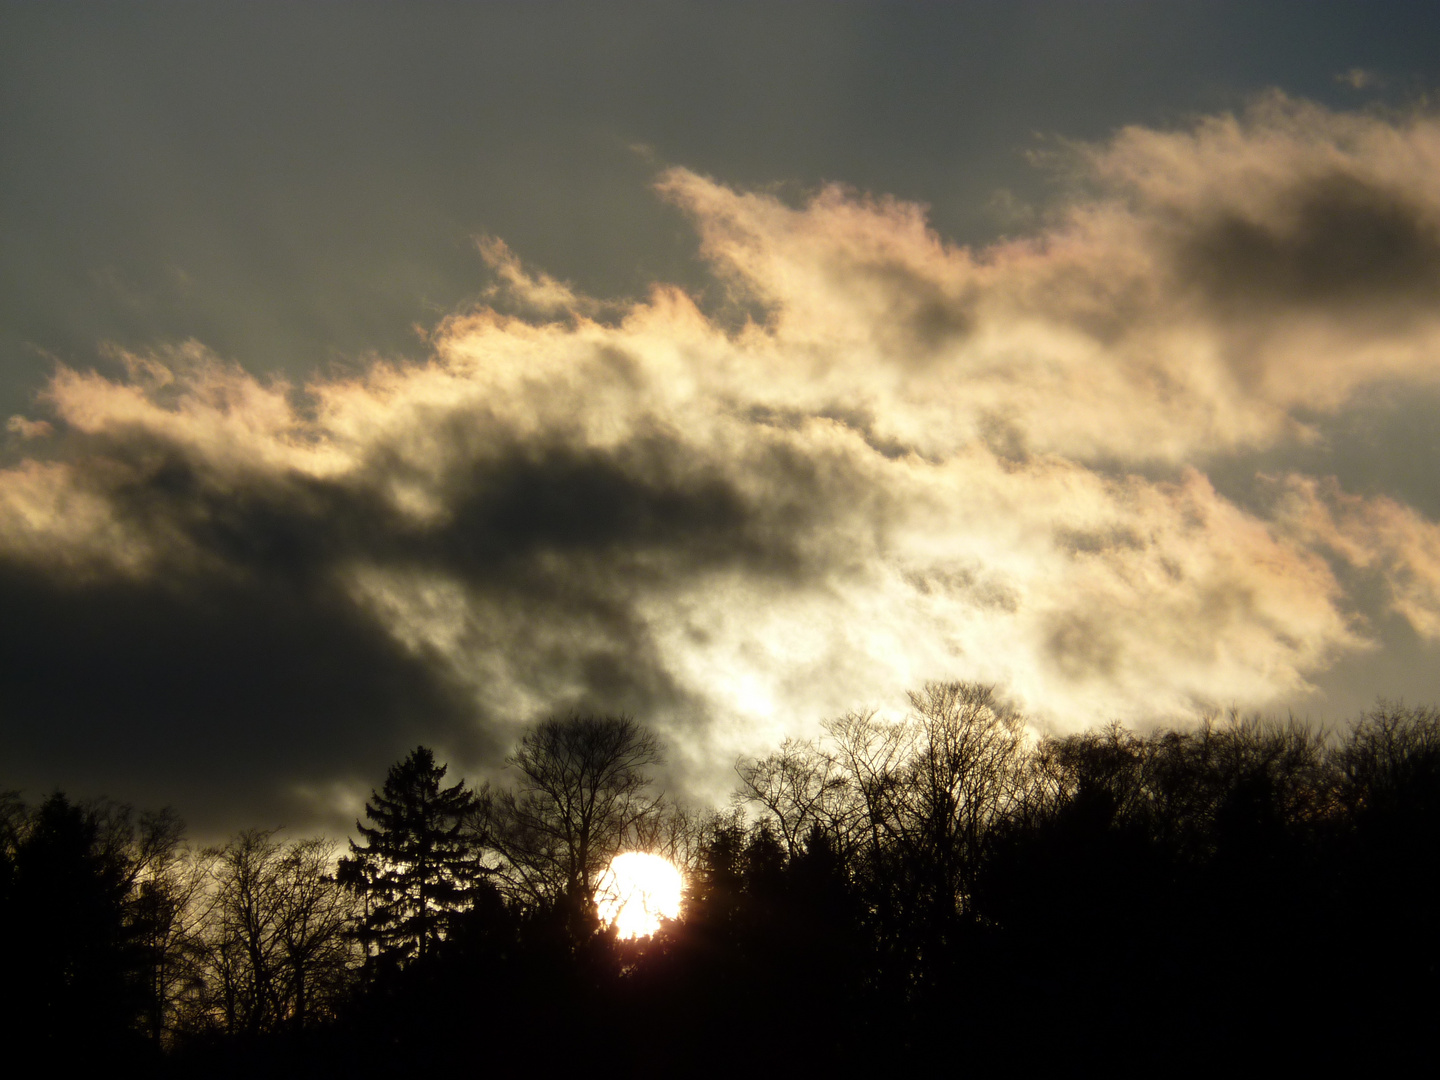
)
(418, 863)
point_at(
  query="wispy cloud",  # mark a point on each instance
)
(1358, 78)
(535, 292)
(910, 460)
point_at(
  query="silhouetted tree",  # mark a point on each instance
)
(905, 808)
(582, 795)
(72, 961)
(1389, 860)
(802, 787)
(12, 827)
(419, 861)
(277, 944)
(166, 905)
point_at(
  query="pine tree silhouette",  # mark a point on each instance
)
(418, 863)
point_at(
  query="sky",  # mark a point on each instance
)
(380, 374)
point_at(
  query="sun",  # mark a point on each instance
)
(636, 891)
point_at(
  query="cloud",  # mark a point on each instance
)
(537, 292)
(28, 429)
(1380, 535)
(1358, 78)
(883, 458)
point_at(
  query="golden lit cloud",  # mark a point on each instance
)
(883, 459)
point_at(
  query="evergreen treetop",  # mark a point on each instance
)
(417, 864)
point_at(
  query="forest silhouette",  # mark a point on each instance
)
(940, 884)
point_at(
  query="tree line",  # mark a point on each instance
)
(892, 887)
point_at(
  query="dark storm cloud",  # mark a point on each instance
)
(1335, 241)
(208, 692)
(626, 507)
(503, 508)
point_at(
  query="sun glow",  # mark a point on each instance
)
(636, 892)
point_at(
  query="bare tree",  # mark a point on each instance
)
(1390, 762)
(801, 788)
(583, 793)
(313, 919)
(909, 802)
(967, 772)
(167, 905)
(675, 833)
(275, 931)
